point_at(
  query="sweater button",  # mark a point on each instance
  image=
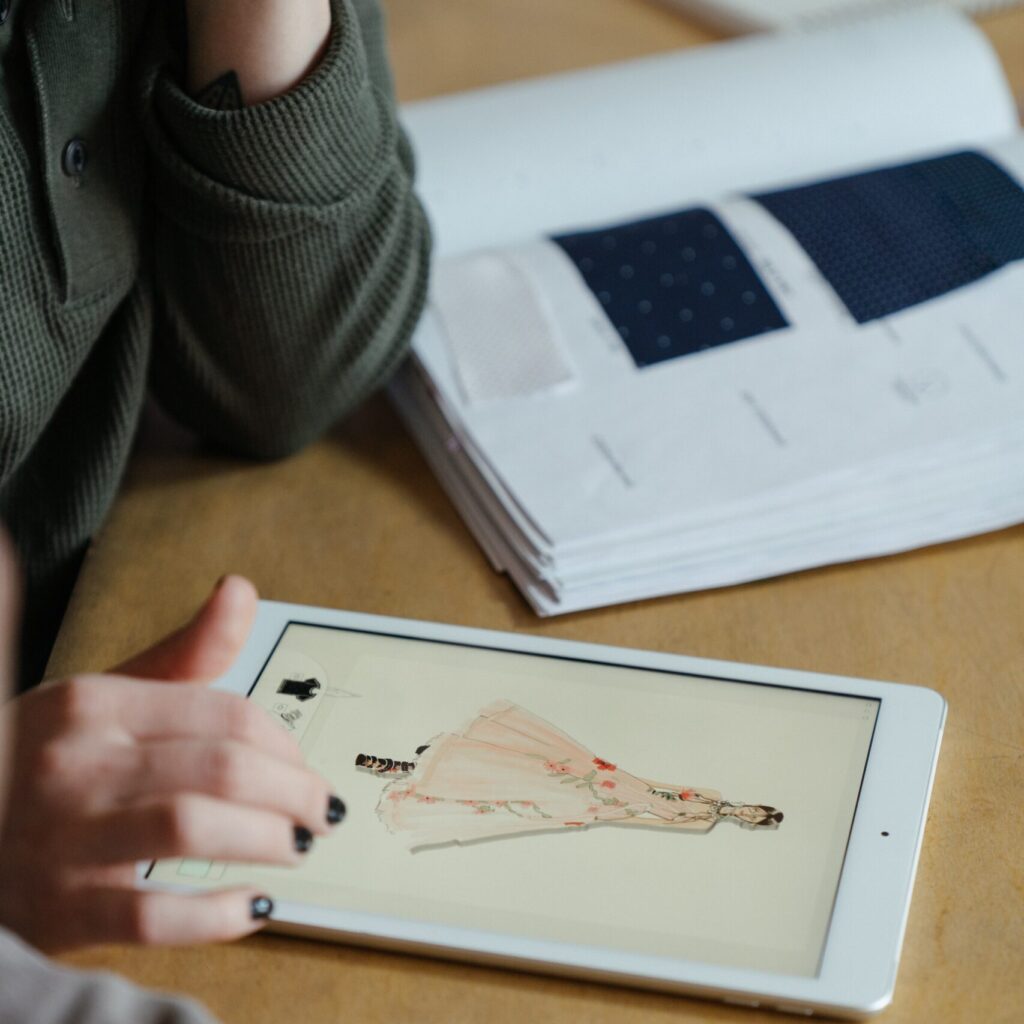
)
(74, 158)
(5, 10)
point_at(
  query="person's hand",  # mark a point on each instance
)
(111, 769)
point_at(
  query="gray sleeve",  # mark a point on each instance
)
(33, 989)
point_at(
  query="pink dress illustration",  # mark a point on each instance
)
(509, 772)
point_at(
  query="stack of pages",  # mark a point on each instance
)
(696, 320)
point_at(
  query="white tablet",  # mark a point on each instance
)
(696, 826)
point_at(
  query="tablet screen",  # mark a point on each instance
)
(561, 799)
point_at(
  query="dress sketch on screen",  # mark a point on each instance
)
(509, 772)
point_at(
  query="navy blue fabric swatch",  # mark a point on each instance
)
(673, 285)
(892, 238)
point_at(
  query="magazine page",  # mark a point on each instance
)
(508, 163)
(739, 387)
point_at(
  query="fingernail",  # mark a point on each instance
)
(303, 839)
(261, 908)
(335, 810)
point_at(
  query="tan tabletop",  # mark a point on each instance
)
(358, 522)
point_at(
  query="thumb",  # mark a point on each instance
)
(206, 646)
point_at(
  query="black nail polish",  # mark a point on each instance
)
(261, 908)
(303, 839)
(335, 810)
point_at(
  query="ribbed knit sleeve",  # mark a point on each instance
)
(291, 255)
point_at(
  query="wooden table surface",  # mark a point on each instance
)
(358, 522)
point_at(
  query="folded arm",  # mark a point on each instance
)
(291, 254)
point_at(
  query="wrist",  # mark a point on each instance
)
(270, 45)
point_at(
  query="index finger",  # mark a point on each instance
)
(155, 711)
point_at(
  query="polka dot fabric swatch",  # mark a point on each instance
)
(893, 238)
(673, 285)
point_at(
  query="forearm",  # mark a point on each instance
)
(320, 319)
(271, 45)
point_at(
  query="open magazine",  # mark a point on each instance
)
(698, 320)
(758, 15)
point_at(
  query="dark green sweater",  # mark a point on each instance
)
(260, 270)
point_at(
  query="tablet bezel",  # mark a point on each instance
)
(858, 967)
